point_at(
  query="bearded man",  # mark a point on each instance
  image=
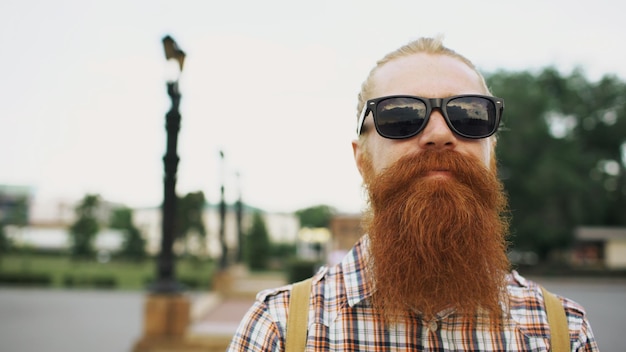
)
(431, 273)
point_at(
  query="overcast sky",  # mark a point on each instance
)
(271, 83)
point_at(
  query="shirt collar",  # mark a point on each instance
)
(355, 273)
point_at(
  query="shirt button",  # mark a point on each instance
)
(432, 326)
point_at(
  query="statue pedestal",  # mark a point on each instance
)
(165, 322)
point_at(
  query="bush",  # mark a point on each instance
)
(188, 282)
(25, 279)
(124, 274)
(85, 281)
(257, 244)
(298, 269)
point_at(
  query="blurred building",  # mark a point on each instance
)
(48, 221)
(313, 244)
(603, 247)
(345, 231)
(14, 204)
(281, 227)
(44, 223)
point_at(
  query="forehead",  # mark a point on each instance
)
(426, 75)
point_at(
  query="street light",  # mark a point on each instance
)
(166, 310)
(224, 258)
(239, 219)
(166, 281)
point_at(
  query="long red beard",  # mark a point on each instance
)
(436, 242)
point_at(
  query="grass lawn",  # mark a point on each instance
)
(126, 275)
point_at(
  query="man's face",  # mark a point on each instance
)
(429, 76)
(435, 217)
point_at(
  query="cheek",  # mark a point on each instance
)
(489, 155)
(481, 150)
(382, 156)
(488, 158)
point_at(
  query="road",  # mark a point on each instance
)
(53, 320)
(33, 320)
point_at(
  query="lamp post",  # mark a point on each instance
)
(239, 218)
(166, 281)
(167, 311)
(224, 259)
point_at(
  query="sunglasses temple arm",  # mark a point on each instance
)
(359, 125)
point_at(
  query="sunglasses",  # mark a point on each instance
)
(403, 116)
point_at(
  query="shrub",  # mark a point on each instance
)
(86, 281)
(25, 279)
(299, 269)
(257, 244)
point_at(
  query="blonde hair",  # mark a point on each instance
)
(422, 45)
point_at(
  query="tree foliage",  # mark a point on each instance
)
(13, 211)
(189, 216)
(257, 244)
(83, 232)
(316, 216)
(5, 243)
(16, 213)
(561, 154)
(133, 244)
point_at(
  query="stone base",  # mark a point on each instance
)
(166, 319)
(169, 325)
(171, 344)
(223, 282)
(238, 282)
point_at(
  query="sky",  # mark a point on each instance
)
(272, 84)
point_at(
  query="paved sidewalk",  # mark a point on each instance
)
(33, 320)
(217, 315)
(223, 319)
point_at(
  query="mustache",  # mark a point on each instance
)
(420, 164)
(407, 175)
(398, 178)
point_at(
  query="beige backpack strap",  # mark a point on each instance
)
(297, 320)
(559, 330)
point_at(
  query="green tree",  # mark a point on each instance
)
(5, 243)
(134, 244)
(189, 217)
(17, 212)
(257, 244)
(14, 212)
(86, 227)
(316, 216)
(560, 154)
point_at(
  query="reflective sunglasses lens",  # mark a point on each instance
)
(400, 117)
(472, 116)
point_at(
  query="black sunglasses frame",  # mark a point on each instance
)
(431, 103)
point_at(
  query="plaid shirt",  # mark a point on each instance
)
(341, 319)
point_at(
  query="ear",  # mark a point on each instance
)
(357, 150)
(493, 163)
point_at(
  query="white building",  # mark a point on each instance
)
(50, 220)
(282, 228)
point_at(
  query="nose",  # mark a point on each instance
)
(437, 134)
